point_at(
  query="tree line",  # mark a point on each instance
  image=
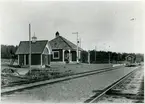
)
(103, 57)
(8, 52)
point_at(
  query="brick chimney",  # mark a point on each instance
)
(56, 34)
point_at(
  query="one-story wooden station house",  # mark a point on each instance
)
(63, 50)
(130, 58)
(40, 53)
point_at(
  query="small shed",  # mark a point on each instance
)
(40, 53)
(130, 58)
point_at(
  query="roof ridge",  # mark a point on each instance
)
(36, 40)
(65, 41)
(54, 38)
(44, 47)
(71, 43)
(68, 43)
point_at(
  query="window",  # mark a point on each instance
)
(55, 54)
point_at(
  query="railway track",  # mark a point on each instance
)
(120, 89)
(74, 76)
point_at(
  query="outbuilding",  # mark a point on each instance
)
(130, 58)
(40, 53)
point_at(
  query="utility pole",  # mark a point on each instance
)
(80, 51)
(88, 56)
(109, 56)
(77, 47)
(80, 42)
(30, 47)
(95, 54)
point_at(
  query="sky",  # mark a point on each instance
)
(107, 25)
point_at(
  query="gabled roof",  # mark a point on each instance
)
(62, 43)
(130, 56)
(36, 47)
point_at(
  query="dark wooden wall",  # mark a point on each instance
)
(35, 59)
(74, 55)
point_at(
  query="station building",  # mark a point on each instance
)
(40, 53)
(64, 50)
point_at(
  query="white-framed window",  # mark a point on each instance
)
(55, 54)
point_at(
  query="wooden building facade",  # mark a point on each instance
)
(63, 50)
(40, 53)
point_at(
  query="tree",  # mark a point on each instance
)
(8, 51)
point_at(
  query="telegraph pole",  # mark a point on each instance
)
(95, 54)
(88, 56)
(30, 46)
(80, 51)
(77, 47)
(80, 43)
(109, 56)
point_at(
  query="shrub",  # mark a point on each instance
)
(9, 71)
(39, 74)
(4, 82)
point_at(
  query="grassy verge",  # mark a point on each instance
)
(15, 75)
(10, 78)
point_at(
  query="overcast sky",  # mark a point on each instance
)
(102, 24)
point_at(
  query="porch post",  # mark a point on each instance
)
(18, 60)
(63, 55)
(70, 57)
(49, 59)
(24, 59)
(79, 55)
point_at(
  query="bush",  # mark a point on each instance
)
(9, 71)
(39, 74)
(4, 82)
(32, 72)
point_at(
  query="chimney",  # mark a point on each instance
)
(34, 38)
(56, 34)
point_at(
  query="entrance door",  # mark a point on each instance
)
(27, 59)
(74, 56)
(66, 56)
(21, 60)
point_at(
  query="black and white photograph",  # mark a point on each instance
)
(72, 51)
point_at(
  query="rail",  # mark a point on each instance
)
(98, 95)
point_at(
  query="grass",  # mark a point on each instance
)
(11, 76)
(6, 62)
(9, 79)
